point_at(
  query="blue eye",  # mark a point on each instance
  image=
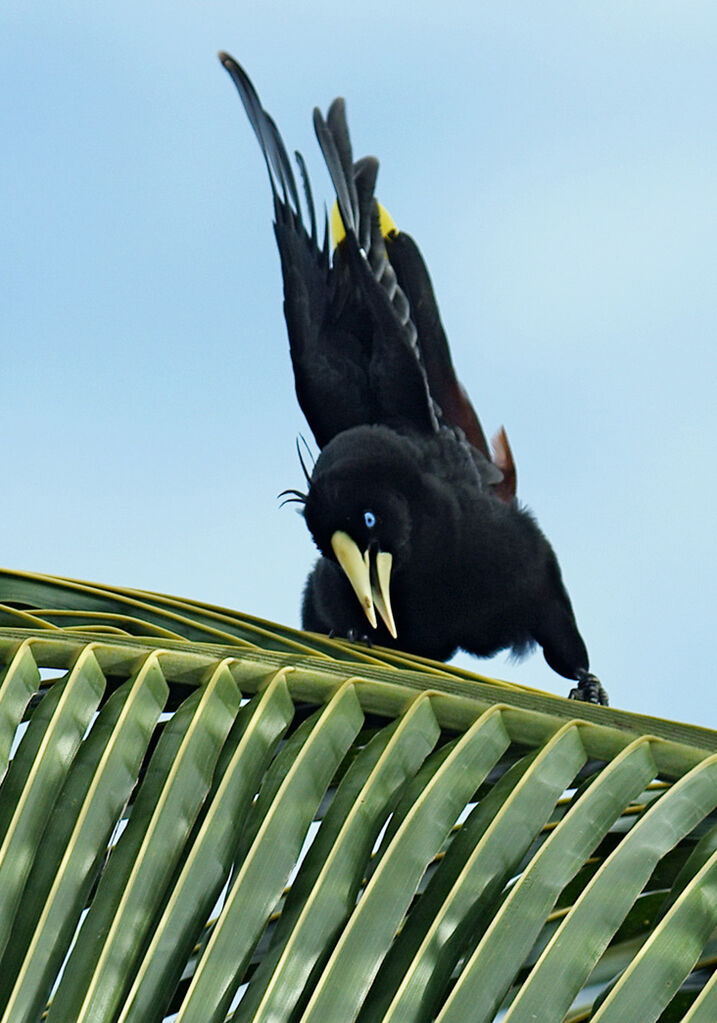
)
(370, 519)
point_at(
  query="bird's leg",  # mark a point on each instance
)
(564, 649)
(589, 689)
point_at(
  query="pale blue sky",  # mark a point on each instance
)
(555, 162)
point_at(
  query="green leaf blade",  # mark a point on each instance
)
(209, 862)
(100, 967)
(20, 681)
(37, 774)
(98, 786)
(368, 934)
(434, 937)
(516, 924)
(266, 865)
(324, 892)
(577, 945)
(668, 955)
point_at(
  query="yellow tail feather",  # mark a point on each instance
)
(338, 232)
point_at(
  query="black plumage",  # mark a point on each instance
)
(423, 543)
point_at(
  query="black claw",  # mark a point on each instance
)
(356, 636)
(589, 689)
(352, 635)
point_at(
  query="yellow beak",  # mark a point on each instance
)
(370, 582)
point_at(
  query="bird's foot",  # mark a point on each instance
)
(353, 636)
(589, 689)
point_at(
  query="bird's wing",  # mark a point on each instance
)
(446, 390)
(397, 378)
(330, 385)
(412, 275)
(353, 345)
(400, 294)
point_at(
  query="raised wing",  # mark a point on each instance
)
(353, 343)
(412, 274)
(446, 390)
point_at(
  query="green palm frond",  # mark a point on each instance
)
(209, 815)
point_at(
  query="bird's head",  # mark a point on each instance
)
(358, 511)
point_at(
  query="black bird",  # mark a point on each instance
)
(416, 520)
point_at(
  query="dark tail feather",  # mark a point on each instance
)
(333, 139)
(354, 185)
(307, 193)
(280, 160)
(270, 141)
(365, 173)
